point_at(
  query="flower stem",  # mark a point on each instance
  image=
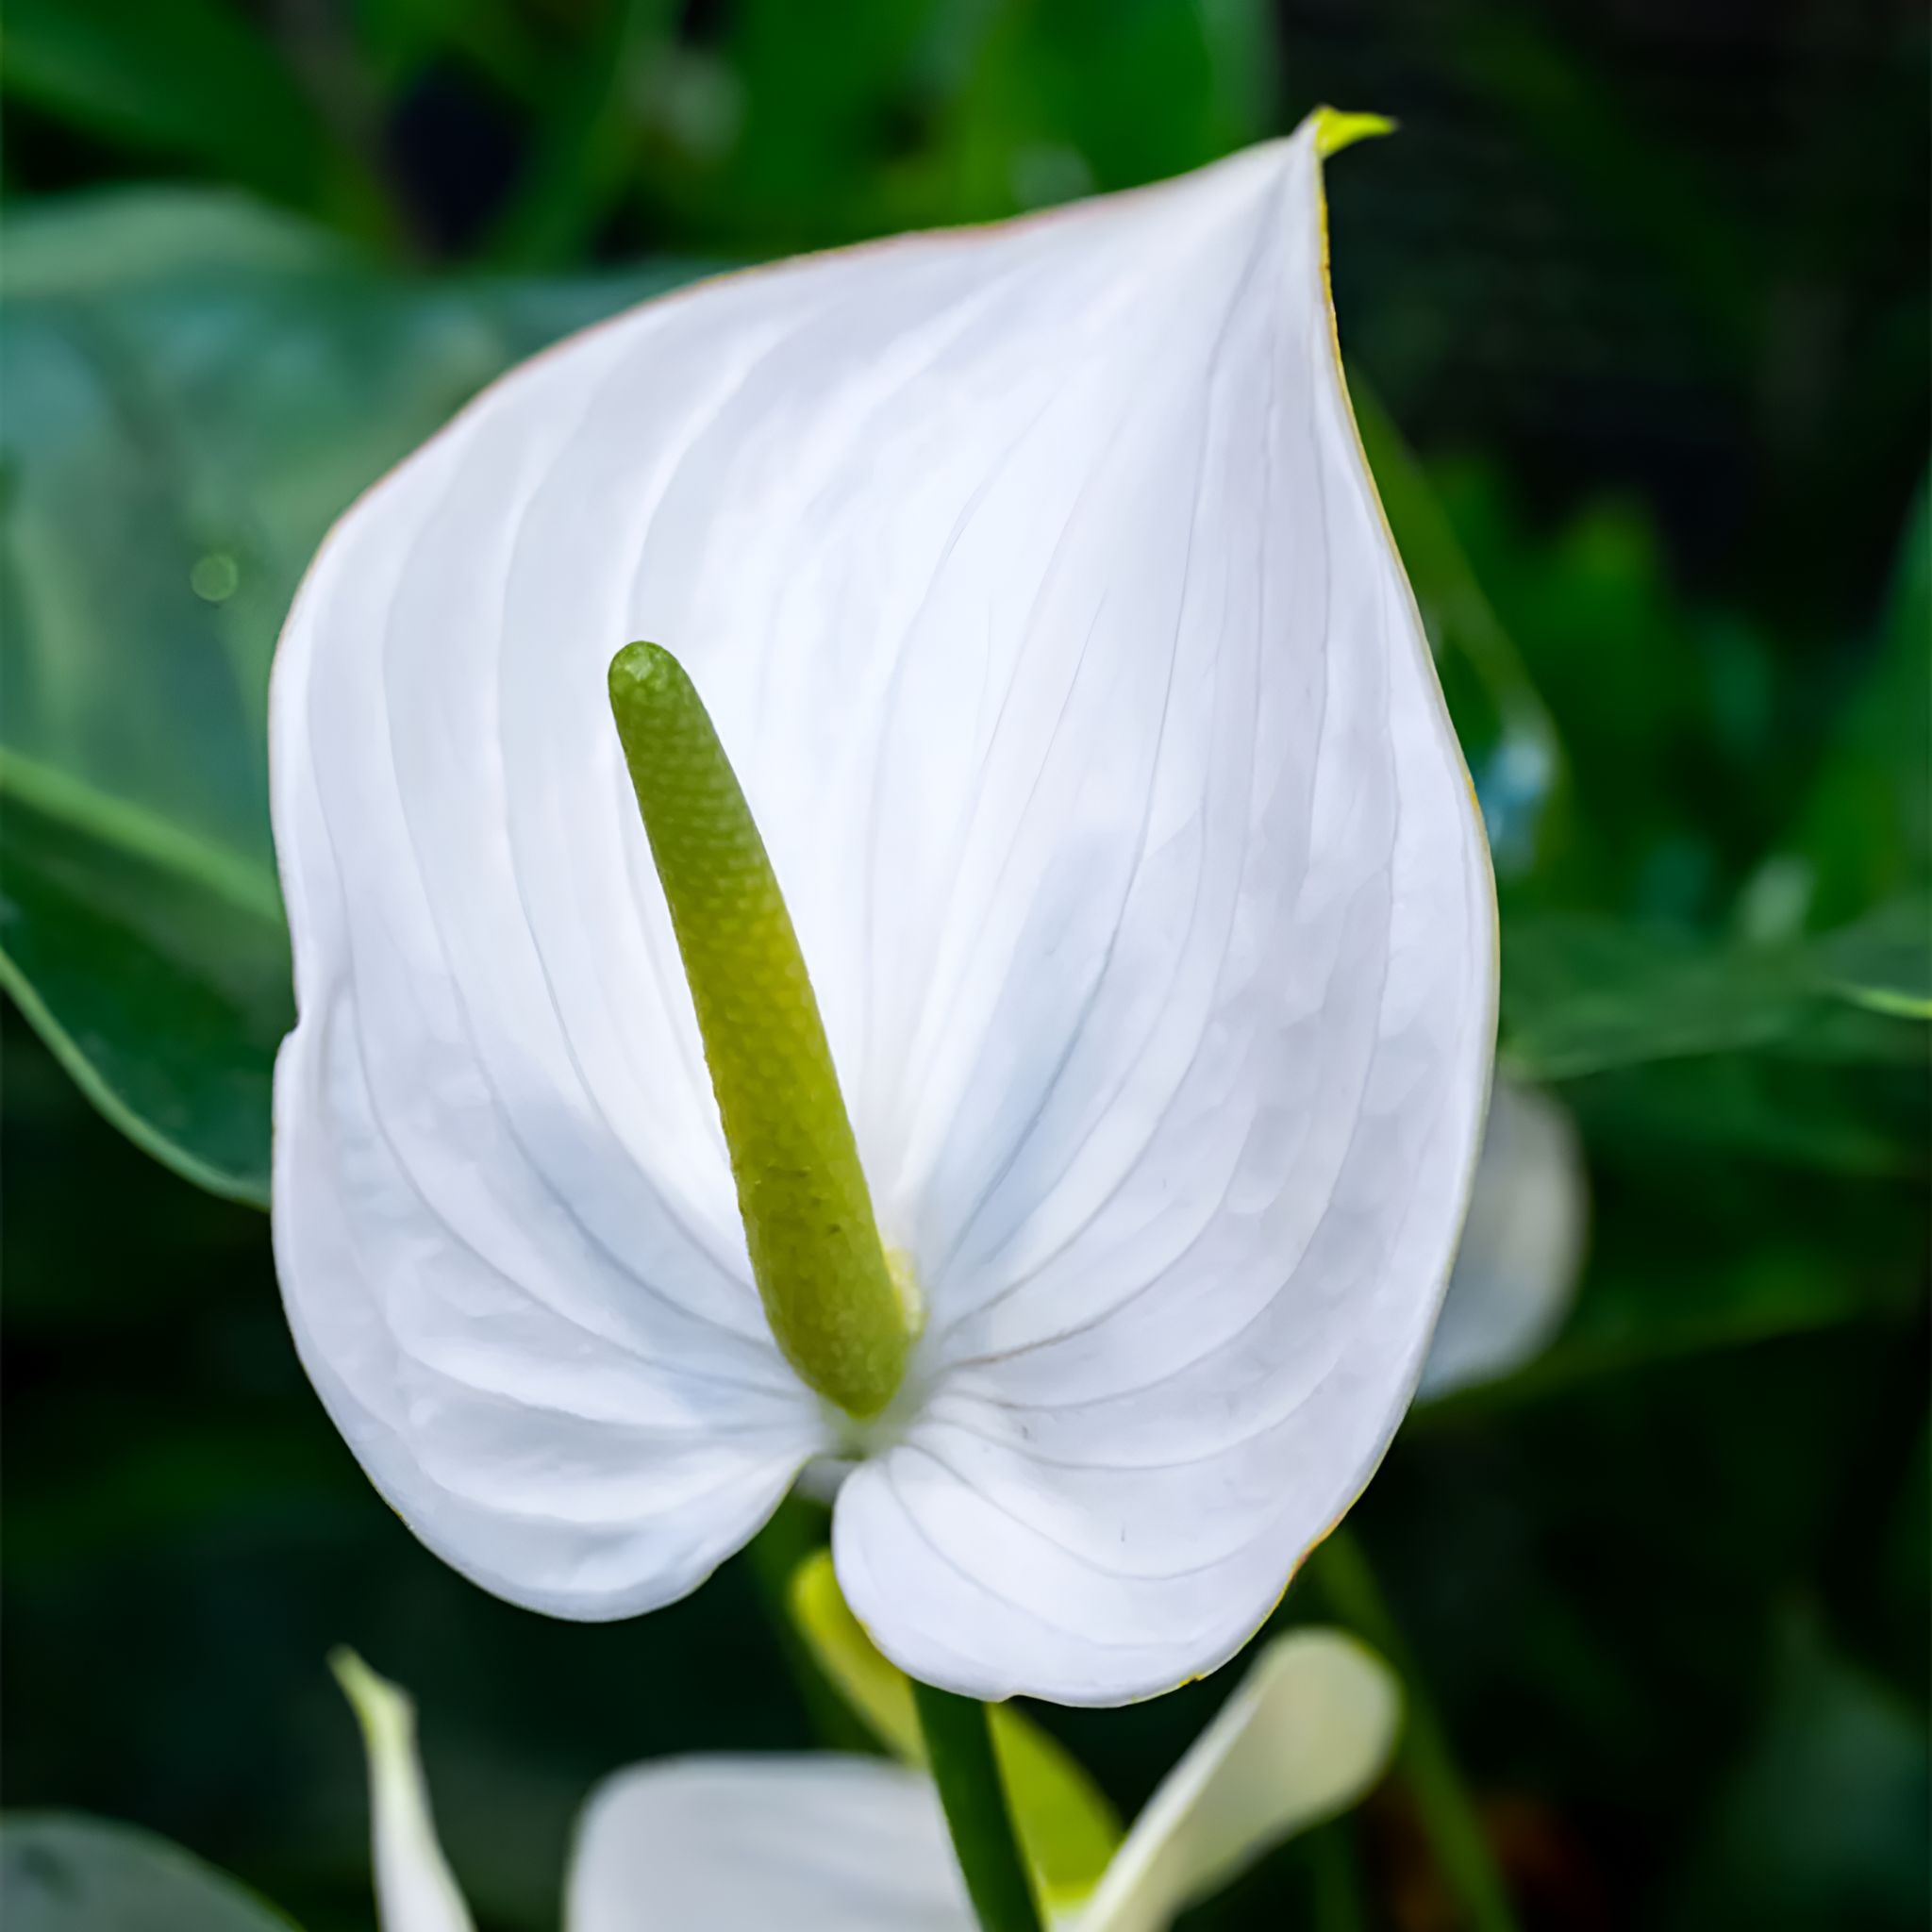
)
(958, 1748)
(1423, 1760)
(1339, 1905)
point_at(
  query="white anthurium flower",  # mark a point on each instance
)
(1037, 586)
(1522, 1244)
(831, 1842)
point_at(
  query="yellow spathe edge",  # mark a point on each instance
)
(1335, 130)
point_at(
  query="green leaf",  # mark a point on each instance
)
(1066, 1826)
(165, 968)
(69, 1874)
(1780, 1106)
(1624, 160)
(584, 156)
(1865, 830)
(1823, 1822)
(192, 388)
(1668, 711)
(195, 77)
(399, 40)
(96, 245)
(1884, 963)
(1582, 996)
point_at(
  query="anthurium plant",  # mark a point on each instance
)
(875, 880)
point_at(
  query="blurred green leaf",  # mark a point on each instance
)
(1824, 1822)
(1668, 711)
(195, 77)
(1779, 1104)
(1737, 1199)
(1583, 994)
(1865, 830)
(400, 39)
(585, 151)
(190, 390)
(69, 1874)
(1508, 736)
(1570, 107)
(1148, 89)
(1884, 963)
(792, 155)
(95, 244)
(926, 114)
(157, 968)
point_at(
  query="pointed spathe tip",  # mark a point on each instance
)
(380, 1707)
(350, 1672)
(1335, 130)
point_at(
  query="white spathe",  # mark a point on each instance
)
(415, 1890)
(835, 1843)
(740, 1844)
(1522, 1244)
(1309, 1731)
(1036, 583)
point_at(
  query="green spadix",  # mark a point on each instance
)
(815, 1249)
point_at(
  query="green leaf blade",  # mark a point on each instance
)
(192, 388)
(162, 991)
(64, 1873)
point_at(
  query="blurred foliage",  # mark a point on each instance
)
(76, 1875)
(1647, 287)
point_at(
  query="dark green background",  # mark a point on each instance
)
(1645, 281)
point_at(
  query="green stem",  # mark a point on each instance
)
(1338, 1904)
(1423, 1760)
(958, 1748)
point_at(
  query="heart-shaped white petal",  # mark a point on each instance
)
(1522, 1244)
(1035, 582)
